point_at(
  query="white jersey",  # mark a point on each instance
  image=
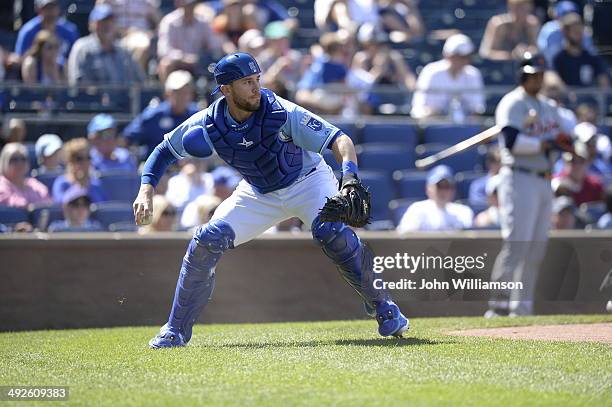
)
(536, 117)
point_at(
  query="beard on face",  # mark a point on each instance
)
(245, 104)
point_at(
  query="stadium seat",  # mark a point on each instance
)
(450, 133)
(398, 207)
(108, 213)
(404, 134)
(120, 186)
(350, 129)
(10, 216)
(464, 180)
(32, 160)
(385, 157)
(410, 184)
(382, 192)
(469, 160)
(42, 216)
(593, 210)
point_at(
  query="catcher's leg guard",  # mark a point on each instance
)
(354, 260)
(197, 277)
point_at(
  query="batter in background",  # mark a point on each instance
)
(530, 133)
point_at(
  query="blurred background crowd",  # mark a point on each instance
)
(89, 88)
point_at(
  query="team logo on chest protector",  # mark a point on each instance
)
(245, 143)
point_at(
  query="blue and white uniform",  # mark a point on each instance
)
(255, 207)
(277, 150)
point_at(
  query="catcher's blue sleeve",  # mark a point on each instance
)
(306, 129)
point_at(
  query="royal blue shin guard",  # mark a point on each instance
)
(354, 260)
(196, 280)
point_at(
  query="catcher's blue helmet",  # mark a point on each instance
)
(234, 66)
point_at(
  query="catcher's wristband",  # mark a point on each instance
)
(349, 167)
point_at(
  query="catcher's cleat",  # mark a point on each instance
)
(391, 321)
(167, 338)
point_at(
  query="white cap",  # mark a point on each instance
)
(251, 39)
(458, 44)
(47, 145)
(178, 80)
(585, 131)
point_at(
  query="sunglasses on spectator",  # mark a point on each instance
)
(79, 203)
(51, 45)
(17, 159)
(79, 158)
(445, 185)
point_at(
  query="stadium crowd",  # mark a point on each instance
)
(346, 59)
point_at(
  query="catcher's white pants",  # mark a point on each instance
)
(251, 213)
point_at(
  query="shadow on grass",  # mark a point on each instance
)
(391, 342)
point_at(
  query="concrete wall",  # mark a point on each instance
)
(70, 281)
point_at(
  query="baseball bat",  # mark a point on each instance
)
(479, 138)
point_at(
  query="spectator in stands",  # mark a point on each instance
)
(332, 68)
(76, 205)
(186, 41)
(574, 64)
(105, 153)
(235, 18)
(589, 113)
(478, 195)
(164, 216)
(136, 25)
(437, 213)
(587, 135)
(575, 179)
(508, 36)
(17, 189)
(149, 127)
(40, 62)
(97, 58)
(78, 172)
(14, 132)
(192, 181)
(490, 217)
(252, 42)
(605, 221)
(333, 15)
(278, 61)
(48, 19)
(385, 66)
(200, 211)
(401, 19)
(550, 38)
(563, 213)
(49, 154)
(225, 181)
(450, 86)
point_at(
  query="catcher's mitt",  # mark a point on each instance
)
(351, 205)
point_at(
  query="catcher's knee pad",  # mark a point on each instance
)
(197, 277)
(355, 261)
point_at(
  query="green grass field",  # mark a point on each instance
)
(313, 364)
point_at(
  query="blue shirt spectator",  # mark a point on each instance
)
(63, 184)
(76, 205)
(47, 18)
(550, 38)
(97, 59)
(78, 172)
(105, 154)
(149, 127)
(477, 194)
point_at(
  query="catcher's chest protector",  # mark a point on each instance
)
(255, 149)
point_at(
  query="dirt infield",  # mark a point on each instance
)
(573, 332)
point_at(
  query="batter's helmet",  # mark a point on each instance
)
(234, 66)
(530, 64)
